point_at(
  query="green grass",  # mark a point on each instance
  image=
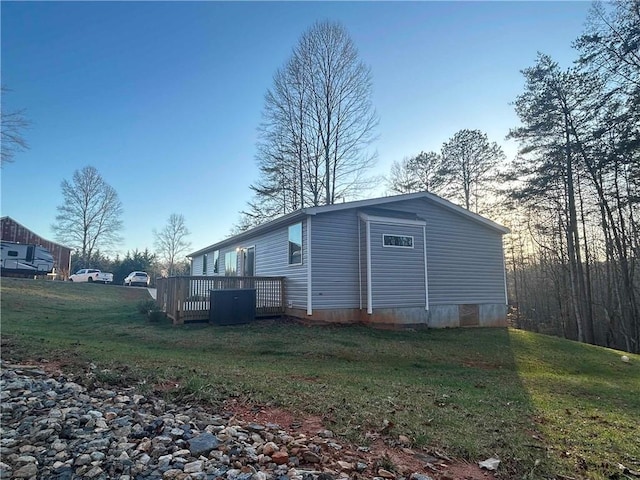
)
(543, 405)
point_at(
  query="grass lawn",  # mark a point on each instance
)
(546, 407)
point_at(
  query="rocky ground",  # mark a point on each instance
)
(55, 428)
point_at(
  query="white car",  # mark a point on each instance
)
(91, 275)
(137, 278)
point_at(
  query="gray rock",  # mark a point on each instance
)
(193, 467)
(94, 472)
(255, 427)
(27, 471)
(62, 473)
(203, 444)
(311, 457)
(419, 476)
(83, 459)
(171, 474)
(325, 476)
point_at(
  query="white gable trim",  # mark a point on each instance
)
(391, 220)
(309, 262)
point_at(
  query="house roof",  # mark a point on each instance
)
(370, 203)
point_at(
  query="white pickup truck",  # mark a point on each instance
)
(91, 275)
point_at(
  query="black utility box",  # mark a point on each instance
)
(233, 306)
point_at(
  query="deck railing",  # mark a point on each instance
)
(186, 299)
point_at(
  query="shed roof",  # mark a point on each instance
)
(8, 220)
(368, 203)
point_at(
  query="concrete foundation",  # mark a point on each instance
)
(438, 316)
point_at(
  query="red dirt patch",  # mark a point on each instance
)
(380, 454)
(309, 425)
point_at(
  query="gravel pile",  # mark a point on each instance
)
(54, 428)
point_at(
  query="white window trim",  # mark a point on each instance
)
(213, 266)
(301, 245)
(369, 277)
(234, 251)
(309, 286)
(398, 246)
(242, 258)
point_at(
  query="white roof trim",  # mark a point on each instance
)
(391, 220)
(408, 196)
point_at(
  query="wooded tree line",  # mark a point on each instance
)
(574, 189)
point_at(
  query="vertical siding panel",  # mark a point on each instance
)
(398, 273)
(335, 273)
(196, 265)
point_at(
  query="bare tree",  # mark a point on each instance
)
(12, 126)
(171, 242)
(469, 164)
(90, 217)
(318, 122)
(415, 174)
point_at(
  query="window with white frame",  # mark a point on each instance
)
(204, 263)
(230, 263)
(398, 241)
(216, 261)
(295, 244)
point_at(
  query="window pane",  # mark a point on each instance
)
(248, 263)
(295, 244)
(230, 263)
(397, 241)
(204, 264)
(216, 257)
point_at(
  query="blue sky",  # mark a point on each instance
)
(164, 98)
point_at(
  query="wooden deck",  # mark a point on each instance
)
(186, 299)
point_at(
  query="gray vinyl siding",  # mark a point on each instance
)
(464, 258)
(334, 248)
(397, 273)
(271, 259)
(196, 265)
